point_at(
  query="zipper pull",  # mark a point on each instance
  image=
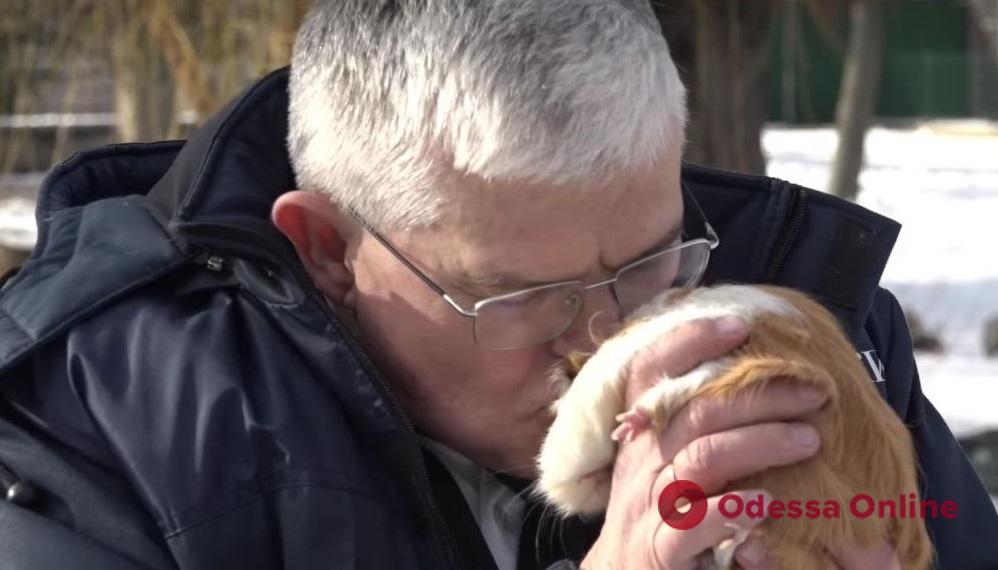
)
(17, 490)
(213, 262)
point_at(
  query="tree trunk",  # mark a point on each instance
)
(144, 94)
(723, 59)
(187, 70)
(857, 95)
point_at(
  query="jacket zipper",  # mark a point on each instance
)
(215, 262)
(795, 216)
(448, 549)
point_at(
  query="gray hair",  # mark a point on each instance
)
(387, 95)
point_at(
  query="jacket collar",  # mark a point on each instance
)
(219, 191)
(773, 231)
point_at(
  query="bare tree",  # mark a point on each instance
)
(170, 58)
(209, 50)
(144, 95)
(857, 94)
(722, 50)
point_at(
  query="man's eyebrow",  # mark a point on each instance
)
(497, 283)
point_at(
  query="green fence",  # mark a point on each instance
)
(930, 66)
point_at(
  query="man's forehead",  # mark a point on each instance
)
(503, 236)
(473, 200)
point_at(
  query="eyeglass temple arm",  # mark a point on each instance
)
(422, 276)
(712, 236)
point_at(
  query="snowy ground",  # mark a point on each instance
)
(940, 181)
(17, 210)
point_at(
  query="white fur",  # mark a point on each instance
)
(385, 94)
(579, 441)
(724, 552)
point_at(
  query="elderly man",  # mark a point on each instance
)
(319, 334)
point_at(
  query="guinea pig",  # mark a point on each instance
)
(865, 448)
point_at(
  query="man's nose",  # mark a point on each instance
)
(598, 320)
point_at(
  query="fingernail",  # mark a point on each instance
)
(731, 325)
(753, 552)
(804, 435)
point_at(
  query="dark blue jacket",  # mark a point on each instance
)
(179, 395)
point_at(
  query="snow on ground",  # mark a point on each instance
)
(17, 223)
(940, 181)
(17, 210)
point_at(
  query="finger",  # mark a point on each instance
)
(683, 349)
(714, 460)
(779, 401)
(676, 548)
(878, 557)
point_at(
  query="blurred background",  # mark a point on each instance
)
(910, 88)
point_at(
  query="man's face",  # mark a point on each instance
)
(493, 406)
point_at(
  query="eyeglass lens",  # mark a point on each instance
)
(539, 315)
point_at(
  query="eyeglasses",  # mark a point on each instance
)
(535, 315)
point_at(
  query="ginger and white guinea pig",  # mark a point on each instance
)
(865, 448)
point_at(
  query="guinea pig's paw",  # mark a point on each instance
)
(724, 552)
(661, 402)
(631, 424)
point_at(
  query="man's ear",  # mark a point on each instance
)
(320, 234)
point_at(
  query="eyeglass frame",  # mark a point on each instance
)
(710, 237)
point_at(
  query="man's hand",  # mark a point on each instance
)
(710, 442)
